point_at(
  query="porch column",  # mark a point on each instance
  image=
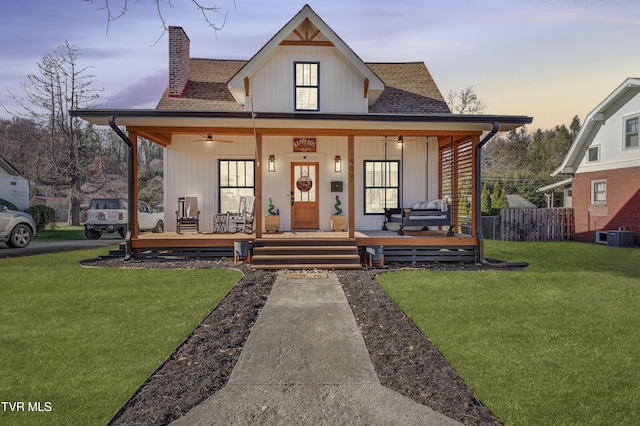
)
(259, 216)
(351, 185)
(133, 137)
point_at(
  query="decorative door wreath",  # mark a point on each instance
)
(304, 182)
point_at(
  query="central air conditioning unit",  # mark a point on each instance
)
(620, 238)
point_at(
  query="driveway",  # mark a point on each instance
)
(37, 247)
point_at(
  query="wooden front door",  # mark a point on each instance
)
(304, 196)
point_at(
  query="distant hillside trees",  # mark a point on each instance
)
(522, 162)
(22, 145)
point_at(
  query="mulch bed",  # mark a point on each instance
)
(405, 360)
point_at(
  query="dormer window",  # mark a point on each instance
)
(307, 90)
(631, 133)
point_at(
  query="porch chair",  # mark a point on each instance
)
(188, 215)
(244, 219)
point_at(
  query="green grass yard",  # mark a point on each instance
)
(555, 344)
(62, 231)
(83, 340)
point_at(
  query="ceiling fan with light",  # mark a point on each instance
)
(399, 140)
(211, 139)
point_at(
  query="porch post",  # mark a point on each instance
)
(133, 137)
(351, 185)
(259, 217)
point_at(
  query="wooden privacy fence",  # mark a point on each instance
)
(554, 224)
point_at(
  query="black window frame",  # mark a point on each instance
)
(221, 187)
(386, 186)
(296, 86)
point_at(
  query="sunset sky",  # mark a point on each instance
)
(549, 59)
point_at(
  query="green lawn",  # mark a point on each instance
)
(61, 231)
(555, 344)
(83, 340)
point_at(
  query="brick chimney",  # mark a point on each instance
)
(178, 61)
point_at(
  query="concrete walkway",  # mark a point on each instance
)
(305, 362)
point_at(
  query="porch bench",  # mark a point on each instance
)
(434, 213)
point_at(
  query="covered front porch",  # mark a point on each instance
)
(378, 161)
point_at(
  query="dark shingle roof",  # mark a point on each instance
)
(409, 88)
(207, 87)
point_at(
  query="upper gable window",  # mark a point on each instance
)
(593, 154)
(307, 91)
(631, 133)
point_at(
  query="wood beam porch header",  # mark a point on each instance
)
(162, 135)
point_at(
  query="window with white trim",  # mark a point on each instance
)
(593, 154)
(598, 191)
(631, 139)
(307, 86)
(236, 180)
(381, 186)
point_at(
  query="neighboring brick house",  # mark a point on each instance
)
(604, 161)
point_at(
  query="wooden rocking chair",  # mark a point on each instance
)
(188, 215)
(243, 220)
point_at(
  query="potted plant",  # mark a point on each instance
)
(272, 219)
(338, 222)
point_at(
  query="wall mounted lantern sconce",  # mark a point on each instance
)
(338, 164)
(272, 163)
(400, 141)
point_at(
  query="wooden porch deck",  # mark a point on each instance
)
(362, 238)
(414, 246)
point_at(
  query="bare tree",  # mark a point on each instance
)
(67, 145)
(466, 101)
(121, 8)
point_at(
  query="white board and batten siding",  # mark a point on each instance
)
(191, 167)
(192, 170)
(14, 189)
(278, 185)
(419, 173)
(341, 85)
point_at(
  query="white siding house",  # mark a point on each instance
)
(13, 187)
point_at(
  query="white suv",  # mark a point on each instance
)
(16, 228)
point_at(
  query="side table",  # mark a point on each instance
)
(220, 222)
